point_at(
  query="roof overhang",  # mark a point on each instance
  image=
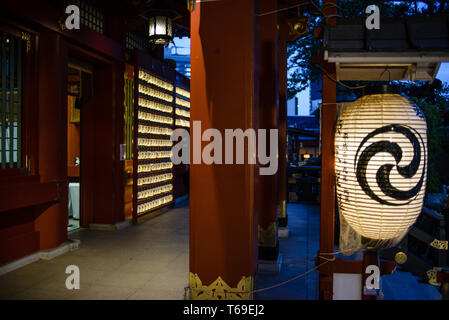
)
(385, 66)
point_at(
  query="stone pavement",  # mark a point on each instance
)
(151, 261)
(303, 244)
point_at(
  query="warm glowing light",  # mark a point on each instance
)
(381, 165)
(160, 29)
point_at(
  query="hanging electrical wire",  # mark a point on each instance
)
(337, 81)
(186, 289)
(320, 255)
(283, 9)
(389, 74)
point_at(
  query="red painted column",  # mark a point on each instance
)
(223, 230)
(266, 186)
(101, 133)
(52, 136)
(282, 172)
(327, 209)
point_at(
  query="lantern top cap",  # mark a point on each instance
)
(161, 13)
(161, 8)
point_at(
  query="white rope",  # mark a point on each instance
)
(327, 260)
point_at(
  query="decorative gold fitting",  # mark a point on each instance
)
(400, 258)
(219, 289)
(439, 244)
(61, 23)
(282, 209)
(267, 237)
(27, 37)
(432, 275)
(28, 164)
(191, 4)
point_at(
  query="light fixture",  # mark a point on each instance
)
(160, 29)
(297, 27)
(381, 167)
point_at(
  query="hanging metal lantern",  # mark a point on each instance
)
(381, 167)
(160, 30)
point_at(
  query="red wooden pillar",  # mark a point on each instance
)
(223, 230)
(52, 136)
(101, 133)
(266, 186)
(282, 172)
(327, 210)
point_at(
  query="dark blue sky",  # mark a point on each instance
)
(443, 74)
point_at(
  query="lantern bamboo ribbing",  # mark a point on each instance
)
(381, 165)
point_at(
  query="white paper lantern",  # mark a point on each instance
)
(381, 165)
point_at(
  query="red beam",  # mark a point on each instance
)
(16, 196)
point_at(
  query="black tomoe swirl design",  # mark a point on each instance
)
(383, 174)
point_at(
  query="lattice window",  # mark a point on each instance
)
(90, 16)
(135, 41)
(11, 50)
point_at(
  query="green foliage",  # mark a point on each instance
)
(435, 136)
(299, 61)
(300, 67)
(433, 98)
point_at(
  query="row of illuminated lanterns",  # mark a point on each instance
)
(149, 78)
(152, 179)
(183, 92)
(154, 105)
(163, 131)
(145, 207)
(149, 91)
(182, 113)
(182, 123)
(155, 142)
(154, 192)
(149, 167)
(150, 155)
(182, 102)
(147, 171)
(155, 118)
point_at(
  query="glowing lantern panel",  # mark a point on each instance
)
(160, 29)
(381, 165)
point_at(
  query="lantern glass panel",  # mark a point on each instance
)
(151, 28)
(169, 28)
(161, 25)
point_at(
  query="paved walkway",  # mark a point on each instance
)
(302, 244)
(146, 261)
(151, 261)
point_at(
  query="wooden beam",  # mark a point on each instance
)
(22, 195)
